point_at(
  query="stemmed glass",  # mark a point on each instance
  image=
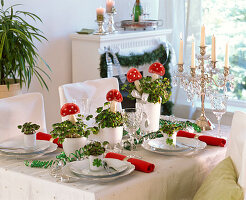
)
(219, 105)
(83, 104)
(132, 120)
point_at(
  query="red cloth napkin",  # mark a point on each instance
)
(45, 136)
(140, 165)
(209, 140)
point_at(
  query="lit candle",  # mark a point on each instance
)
(109, 5)
(193, 53)
(180, 50)
(100, 14)
(227, 56)
(202, 44)
(213, 55)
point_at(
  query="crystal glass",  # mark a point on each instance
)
(83, 104)
(132, 120)
(219, 105)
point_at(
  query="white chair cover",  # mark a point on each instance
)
(94, 90)
(19, 109)
(237, 146)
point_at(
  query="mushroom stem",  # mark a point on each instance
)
(72, 119)
(154, 77)
(113, 106)
(137, 84)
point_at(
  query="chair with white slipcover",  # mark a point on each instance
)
(94, 90)
(19, 109)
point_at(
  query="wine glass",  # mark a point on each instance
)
(132, 120)
(219, 105)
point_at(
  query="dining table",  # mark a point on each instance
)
(174, 178)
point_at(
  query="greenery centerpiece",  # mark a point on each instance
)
(18, 55)
(150, 92)
(109, 120)
(29, 129)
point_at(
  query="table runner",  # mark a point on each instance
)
(174, 178)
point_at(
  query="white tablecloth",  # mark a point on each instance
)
(174, 178)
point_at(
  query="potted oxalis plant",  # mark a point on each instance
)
(72, 133)
(18, 55)
(29, 129)
(150, 92)
(109, 120)
(95, 150)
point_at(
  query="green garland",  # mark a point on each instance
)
(159, 54)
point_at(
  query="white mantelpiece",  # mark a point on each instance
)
(86, 57)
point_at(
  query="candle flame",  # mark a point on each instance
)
(181, 36)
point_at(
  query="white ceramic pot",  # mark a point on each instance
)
(174, 136)
(30, 140)
(112, 135)
(151, 111)
(14, 89)
(70, 145)
(95, 168)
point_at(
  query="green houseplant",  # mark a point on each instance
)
(29, 129)
(18, 55)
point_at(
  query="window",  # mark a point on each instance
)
(227, 20)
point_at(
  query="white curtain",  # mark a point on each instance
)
(182, 16)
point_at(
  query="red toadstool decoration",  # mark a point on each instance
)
(156, 69)
(114, 96)
(70, 109)
(133, 75)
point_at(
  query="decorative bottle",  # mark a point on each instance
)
(137, 11)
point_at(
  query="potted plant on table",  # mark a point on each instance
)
(95, 151)
(169, 131)
(18, 55)
(110, 121)
(150, 92)
(29, 129)
(72, 133)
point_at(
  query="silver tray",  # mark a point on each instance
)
(143, 25)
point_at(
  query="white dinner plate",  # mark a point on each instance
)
(42, 154)
(193, 143)
(81, 168)
(41, 145)
(160, 143)
(66, 172)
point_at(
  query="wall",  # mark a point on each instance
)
(60, 19)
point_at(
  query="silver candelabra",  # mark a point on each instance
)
(200, 82)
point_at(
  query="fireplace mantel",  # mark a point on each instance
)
(85, 49)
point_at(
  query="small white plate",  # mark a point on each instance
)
(82, 168)
(41, 145)
(66, 172)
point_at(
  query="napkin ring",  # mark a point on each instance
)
(196, 136)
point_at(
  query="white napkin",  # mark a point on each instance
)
(237, 146)
(116, 164)
(19, 109)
